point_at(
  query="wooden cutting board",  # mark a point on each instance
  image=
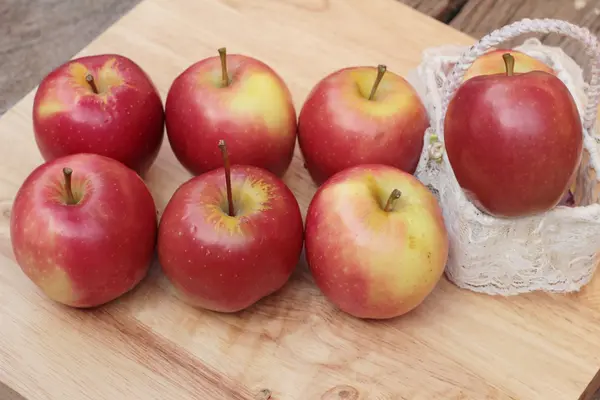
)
(148, 345)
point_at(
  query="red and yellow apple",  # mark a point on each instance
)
(235, 98)
(101, 104)
(361, 115)
(375, 240)
(230, 237)
(514, 141)
(83, 229)
(492, 63)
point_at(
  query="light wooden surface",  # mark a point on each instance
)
(148, 345)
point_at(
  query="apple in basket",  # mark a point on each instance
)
(514, 140)
(376, 242)
(492, 63)
(361, 115)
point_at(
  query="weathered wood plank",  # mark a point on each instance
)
(592, 392)
(38, 35)
(443, 10)
(7, 393)
(478, 17)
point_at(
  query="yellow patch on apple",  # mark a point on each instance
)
(252, 195)
(261, 94)
(400, 236)
(56, 284)
(393, 93)
(51, 279)
(249, 197)
(105, 78)
(51, 106)
(108, 76)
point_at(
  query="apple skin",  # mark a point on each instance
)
(491, 63)
(338, 127)
(224, 263)
(514, 142)
(125, 121)
(369, 262)
(90, 253)
(254, 114)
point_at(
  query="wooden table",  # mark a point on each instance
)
(148, 345)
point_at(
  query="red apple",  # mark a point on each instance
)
(83, 228)
(230, 237)
(361, 115)
(375, 240)
(491, 63)
(514, 141)
(102, 104)
(235, 98)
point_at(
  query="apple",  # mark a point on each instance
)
(230, 237)
(492, 63)
(361, 115)
(514, 141)
(375, 240)
(101, 104)
(83, 229)
(235, 98)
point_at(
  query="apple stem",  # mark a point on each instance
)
(509, 63)
(90, 80)
(67, 172)
(224, 75)
(227, 165)
(380, 72)
(395, 195)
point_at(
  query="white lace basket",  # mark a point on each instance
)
(554, 252)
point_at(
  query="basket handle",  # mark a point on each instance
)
(518, 28)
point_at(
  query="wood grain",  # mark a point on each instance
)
(294, 344)
(479, 17)
(38, 35)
